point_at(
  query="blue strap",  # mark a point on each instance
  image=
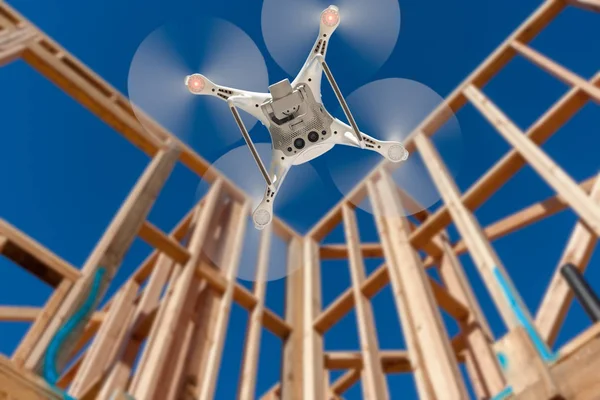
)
(50, 360)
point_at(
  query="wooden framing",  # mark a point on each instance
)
(162, 335)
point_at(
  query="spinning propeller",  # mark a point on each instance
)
(218, 48)
(365, 37)
(391, 109)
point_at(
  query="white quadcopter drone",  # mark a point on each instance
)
(301, 129)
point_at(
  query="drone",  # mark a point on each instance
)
(300, 127)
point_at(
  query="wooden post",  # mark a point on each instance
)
(102, 351)
(558, 297)
(400, 298)
(41, 322)
(438, 356)
(374, 383)
(112, 247)
(482, 365)
(153, 368)
(13, 42)
(313, 369)
(236, 231)
(247, 384)
(293, 354)
(121, 371)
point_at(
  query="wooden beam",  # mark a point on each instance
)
(439, 359)
(313, 369)
(375, 282)
(345, 381)
(236, 230)
(555, 304)
(248, 376)
(340, 251)
(407, 322)
(35, 258)
(13, 42)
(548, 170)
(246, 299)
(374, 384)
(557, 70)
(292, 354)
(160, 241)
(590, 5)
(30, 314)
(476, 336)
(102, 352)
(128, 349)
(392, 361)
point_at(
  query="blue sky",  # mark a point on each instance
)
(66, 172)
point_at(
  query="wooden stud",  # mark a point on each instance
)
(247, 384)
(407, 322)
(482, 365)
(14, 42)
(237, 230)
(313, 369)
(34, 257)
(39, 326)
(590, 5)
(439, 359)
(558, 297)
(101, 353)
(121, 371)
(159, 240)
(558, 71)
(374, 383)
(293, 353)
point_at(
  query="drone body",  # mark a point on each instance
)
(301, 129)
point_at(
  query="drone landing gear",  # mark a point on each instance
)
(392, 151)
(263, 213)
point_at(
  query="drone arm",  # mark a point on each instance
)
(250, 102)
(341, 100)
(248, 140)
(391, 150)
(330, 20)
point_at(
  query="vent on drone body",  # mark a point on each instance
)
(370, 143)
(320, 47)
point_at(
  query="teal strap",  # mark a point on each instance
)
(51, 373)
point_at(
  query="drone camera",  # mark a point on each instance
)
(195, 83)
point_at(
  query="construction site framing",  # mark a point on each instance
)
(184, 329)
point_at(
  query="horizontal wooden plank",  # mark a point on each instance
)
(29, 314)
(35, 258)
(393, 361)
(161, 241)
